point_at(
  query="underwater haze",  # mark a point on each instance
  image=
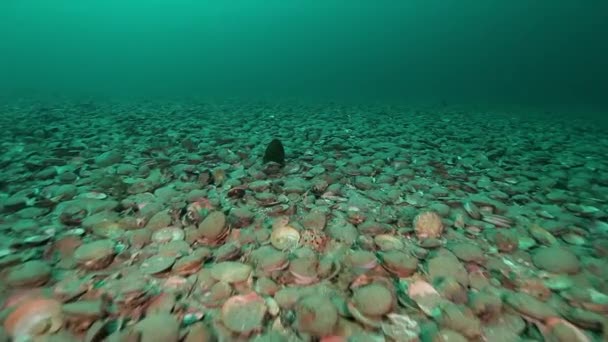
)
(301, 170)
(439, 50)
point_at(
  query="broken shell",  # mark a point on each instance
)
(34, 317)
(284, 237)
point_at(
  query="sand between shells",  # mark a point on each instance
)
(385, 224)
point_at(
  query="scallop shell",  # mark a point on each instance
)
(526, 242)
(401, 327)
(559, 282)
(244, 314)
(428, 225)
(36, 239)
(559, 329)
(213, 226)
(373, 300)
(74, 231)
(273, 306)
(425, 295)
(574, 239)
(316, 315)
(231, 271)
(387, 242)
(93, 195)
(498, 220)
(361, 260)
(399, 263)
(542, 235)
(168, 234)
(34, 317)
(157, 264)
(284, 237)
(95, 255)
(472, 210)
(5, 251)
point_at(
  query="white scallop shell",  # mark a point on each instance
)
(284, 237)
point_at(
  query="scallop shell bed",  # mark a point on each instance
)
(120, 221)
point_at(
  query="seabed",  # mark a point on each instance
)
(181, 221)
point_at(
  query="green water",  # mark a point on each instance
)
(368, 169)
(425, 51)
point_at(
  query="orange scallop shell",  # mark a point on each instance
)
(28, 317)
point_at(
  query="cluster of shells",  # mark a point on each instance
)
(362, 236)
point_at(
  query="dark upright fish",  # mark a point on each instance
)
(275, 152)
